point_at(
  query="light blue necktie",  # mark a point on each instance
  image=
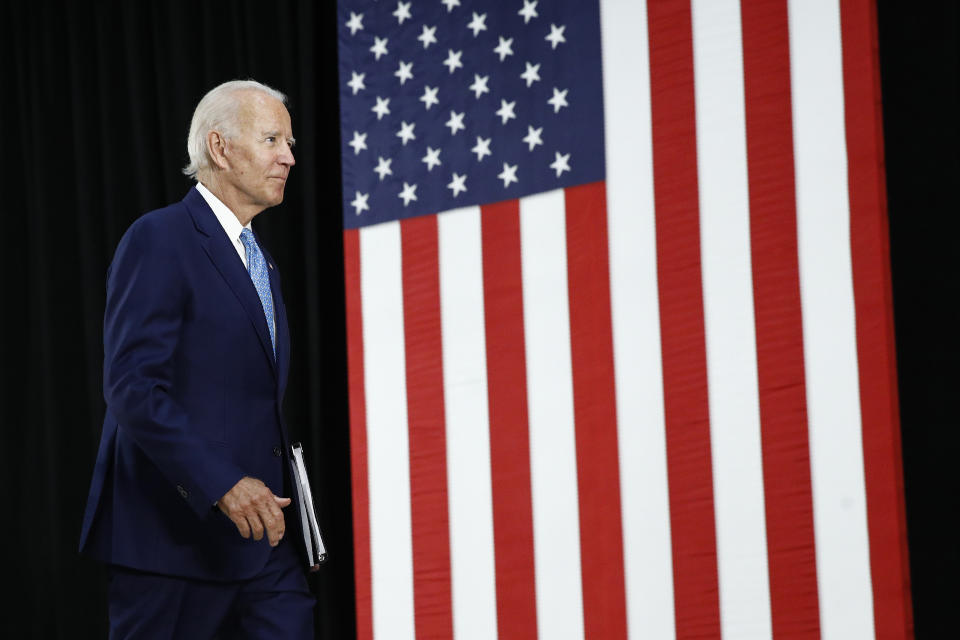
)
(257, 267)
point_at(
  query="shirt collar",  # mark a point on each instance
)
(228, 221)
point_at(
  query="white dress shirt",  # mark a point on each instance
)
(231, 225)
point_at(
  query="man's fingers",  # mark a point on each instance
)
(283, 502)
(256, 527)
(242, 526)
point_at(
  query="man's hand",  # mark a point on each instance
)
(254, 509)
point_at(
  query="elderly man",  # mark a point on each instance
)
(186, 503)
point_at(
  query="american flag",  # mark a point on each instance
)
(619, 324)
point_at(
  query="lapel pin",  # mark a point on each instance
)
(270, 265)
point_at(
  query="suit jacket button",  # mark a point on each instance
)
(182, 491)
(277, 452)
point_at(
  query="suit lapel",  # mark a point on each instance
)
(224, 257)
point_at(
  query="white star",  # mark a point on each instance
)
(508, 175)
(383, 167)
(356, 81)
(506, 111)
(355, 23)
(455, 122)
(406, 132)
(458, 184)
(533, 137)
(529, 11)
(429, 97)
(504, 49)
(450, 4)
(532, 74)
(479, 85)
(379, 47)
(559, 99)
(404, 71)
(556, 35)
(432, 159)
(382, 108)
(478, 24)
(453, 60)
(427, 37)
(359, 142)
(409, 193)
(402, 12)
(482, 148)
(560, 163)
(360, 202)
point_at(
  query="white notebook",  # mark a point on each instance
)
(316, 551)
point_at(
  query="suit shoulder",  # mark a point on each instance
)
(158, 230)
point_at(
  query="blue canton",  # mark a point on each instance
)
(452, 103)
(257, 267)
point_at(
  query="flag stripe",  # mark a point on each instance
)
(553, 456)
(595, 416)
(782, 389)
(728, 320)
(644, 504)
(427, 436)
(697, 607)
(509, 437)
(829, 334)
(384, 369)
(358, 435)
(875, 337)
(468, 428)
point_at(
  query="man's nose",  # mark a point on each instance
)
(286, 158)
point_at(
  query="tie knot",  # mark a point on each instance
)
(246, 237)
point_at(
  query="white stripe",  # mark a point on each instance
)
(829, 331)
(553, 459)
(384, 371)
(645, 500)
(731, 347)
(468, 425)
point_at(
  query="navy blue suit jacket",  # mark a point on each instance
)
(193, 398)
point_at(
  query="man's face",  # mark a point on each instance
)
(260, 153)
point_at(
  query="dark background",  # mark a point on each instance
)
(95, 102)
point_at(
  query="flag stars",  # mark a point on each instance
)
(453, 60)
(404, 71)
(504, 49)
(379, 47)
(482, 148)
(406, 132)
(529, 11)
(360, 202)
(355, 23)
(479, 86)
(508, 175)
(533, 137)
(560, 163)
(383, 167)
(506, 111)
(382, 108)
(432, 159)
(408, 193)
(428, 36)
(356, 81)
(455, 122)
(531, 74)
(402, 12)
(359, 142)
(555, 37)
(429, 97)
(478, 24)
(450, 4)
(458, 184)
(558, 100)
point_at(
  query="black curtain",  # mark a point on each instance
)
(95, 102)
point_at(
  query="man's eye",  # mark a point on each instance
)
(271, 139)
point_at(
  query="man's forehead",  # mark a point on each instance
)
(258, 107)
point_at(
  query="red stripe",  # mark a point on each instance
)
(509, 435)
(686, 409)
(429, 521)
(791, 548)
(595, 413)
(886, 518)
(358, 435)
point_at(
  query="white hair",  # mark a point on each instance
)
(218, 111)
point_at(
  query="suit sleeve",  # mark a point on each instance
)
(146, 300)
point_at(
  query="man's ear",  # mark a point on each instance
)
(217, 148)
